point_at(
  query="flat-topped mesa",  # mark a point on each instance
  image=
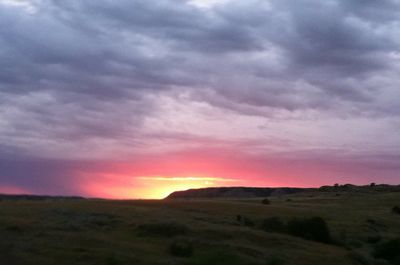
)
(235, 192)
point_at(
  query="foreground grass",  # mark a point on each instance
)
(141, 232)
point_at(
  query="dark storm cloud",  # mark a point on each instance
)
(106, 48)
(329, 41)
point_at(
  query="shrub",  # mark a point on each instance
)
(396, 210)
(353, 243)
(217, 257)
(266, 201)
(273, 224)
(274, 260)
(112, 260)
(373, 239)
(248, 222)
(358, 259)
(238, 218)
(381, 262)
(162, 229)
(389, 250)
(181, 248)
(312, 229)
(14, 228)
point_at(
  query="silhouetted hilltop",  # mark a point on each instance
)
(235, 192)
(249, 192)
(366, 188)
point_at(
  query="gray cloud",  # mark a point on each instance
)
(108, 48)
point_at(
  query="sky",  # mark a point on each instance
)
(136, 99)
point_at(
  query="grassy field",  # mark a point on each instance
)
(220, 231)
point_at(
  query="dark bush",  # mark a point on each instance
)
(381, 262)
(217, 257)
(396, 210)
(14, 228)
(112, 260)
(314, 229)
(358, 258)
(248, 222)
(266, 201)
(162, 229)
(389, 250)
(274, 260)
(373, 239)
(273, 224)
(238, 218)
(353, 243)
(181, 248)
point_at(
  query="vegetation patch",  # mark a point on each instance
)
(274, 260)
(389, 250)
(217, 258)
(248, 222)
(396, 210)
(314, 229)
(77, 221)
(266, 201)
(273, 224)
(358, 259)
(162, 229)
(181, 248)
(112, 260)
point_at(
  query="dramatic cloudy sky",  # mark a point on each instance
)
(136, 98)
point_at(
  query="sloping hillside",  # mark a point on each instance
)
(234, 192)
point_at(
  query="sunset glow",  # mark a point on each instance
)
(151, 187)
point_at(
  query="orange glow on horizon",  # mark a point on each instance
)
(152, 187)
(156, 178)
(163, 186)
